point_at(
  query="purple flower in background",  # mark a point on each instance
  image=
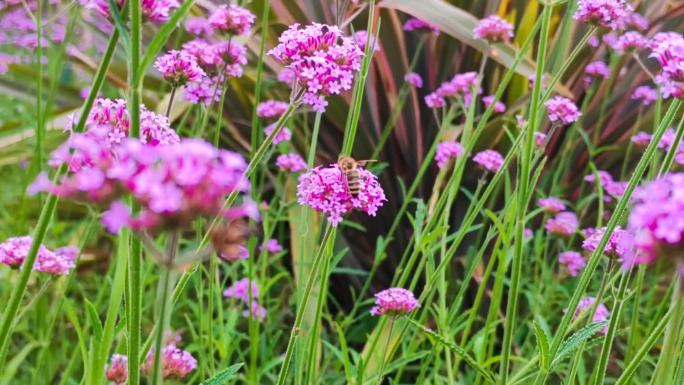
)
(573, 261)
(551, 205)
(615, 245)
(413, 79)
(631, 41)
(283, 135)
(178, 68)
(271, 246)
(198, 26)
(539, 138)
(176, 363)
(394, 302)
(414, 24)
(241, 290)
(117, 371)
(447, 151)
(603, 13)
(271, 109)
(499, 107)
(641, 139)
(493, 29)
(668, 49)
(613, 188)
(489, 160)
(232, 19)
(562, 110)
(258, 312)
(291, 162)
(602, 313)
(14, 251)
(645, 94)
(594, 70)
(361, 36)
(564, 223)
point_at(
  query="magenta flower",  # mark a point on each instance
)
(614, 247)
(668, 49)
(176, 363)
(283, 135)
(539, 138)
(596, 69)
(637, 21)
(361, 36)
(272, 247)
(394, 302)
(117, 372)
(413, 79)
(573, 261)
(645, 94)
(271, 109)
(14, 251)
(178, 68)
(499, 107)
(602, 313)
(447, 151)
(198, 26)
(232, 19)
(258, 312)
(205, 91)
(322, 58)
(551, 205)
(631, 41)
(603, 13)
(564, 223)
(325, 189)
(434, 101)
(460, 86)
(562, 110)
(291, 162)
(218, 60)
(613, 189)
(156, 11)
(489, 160)
(240, 290)
(414, 24)
(641, 139)
(493, 29)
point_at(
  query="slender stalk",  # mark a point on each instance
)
(164, 293)
(168, 107)
(296, 328)
(39, 152)
(259, 76)
(668, 357)
(523, 188)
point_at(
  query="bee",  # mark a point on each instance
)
(350, 169)
(229, 239)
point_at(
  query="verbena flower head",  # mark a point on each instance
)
(641, 139)
(611, 187)
(562, 110)
(13, 252)
(564, 223)
(258, 312)
(155, 11)
(460, 86)
(414, 79)
(322, 58)
(614, 247)
(573, 261)
(656, 221)
(240, 290)
(291, 162)
(551, 205)
(539, 138)
(647, 95)
(218, 60)
(394, 302)
(176, 363)
(447, 151)
(602, 313)
(271, 109)
(603, 13)
(206, 90)
(637, 21)
(668, 49)
(493, 29)
(499, 107)
(325, 190)
(489, 160)
(361, 36)
(232, 19)
(271, 246)
(117, 371)
(178, 68)
(283, 135)
(414, 24)
(174, 184)
(631, 41)
(596, 69)
(198, 26)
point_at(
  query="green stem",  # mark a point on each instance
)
(164, 300)
(668, 357)
(259, 76)
(168, 107)
(40, 114)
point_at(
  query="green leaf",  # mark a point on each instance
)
(120, 25)
(543, 345)
(574, 341)
(223, 376)
(94, 321)
(10, 370)
(162, 37)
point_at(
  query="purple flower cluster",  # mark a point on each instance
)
(271, 246)
(413, 79)
(562, 110)
(460, 85)
(322, 59)
(394, 302)
(603, 13)
(631, 41)
(565, 223)
(361, 36)
(489, 160)
(447, 151)
(117, 371)
(493, 29)
(155, 11)
(551, 205)
(271, 109)
(573, 261)
(499, 106)
(174, 184)
(14, 251)
(594, 70)
(241, 290)
(283, 135)
(231, 19)
(325, 190)
(178, 68)
(602, 313)
(668, 49)
(176, 363)
(647, 95)
(616, 245)
(291, 162)
(414, 24)
(613, 189)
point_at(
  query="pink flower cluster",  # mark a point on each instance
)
(322, 59)
(291, 162)
(283, 135)
(647, 95)
(613, 189)
(271, 246)
(447, 151)
(656, 220)
(489, 160)
(668, 49)
(413, 79)
(394, 301)
(602, 313)
(325, 190)
(156, 11)
(565, 223)
(562, 110)
(594, 70)
(117, 371)
(414, 24)
(573, 261)
(499, 106)
(14, 251)
(603, 13)
(176, 363)
(232, 19)
(616, 245)
(551, 205)
(271, 109)
(241, 290)
(178, 68)
(460, 85)
(631, 41)
(361, 36)
(493, 29)
(174, 184)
